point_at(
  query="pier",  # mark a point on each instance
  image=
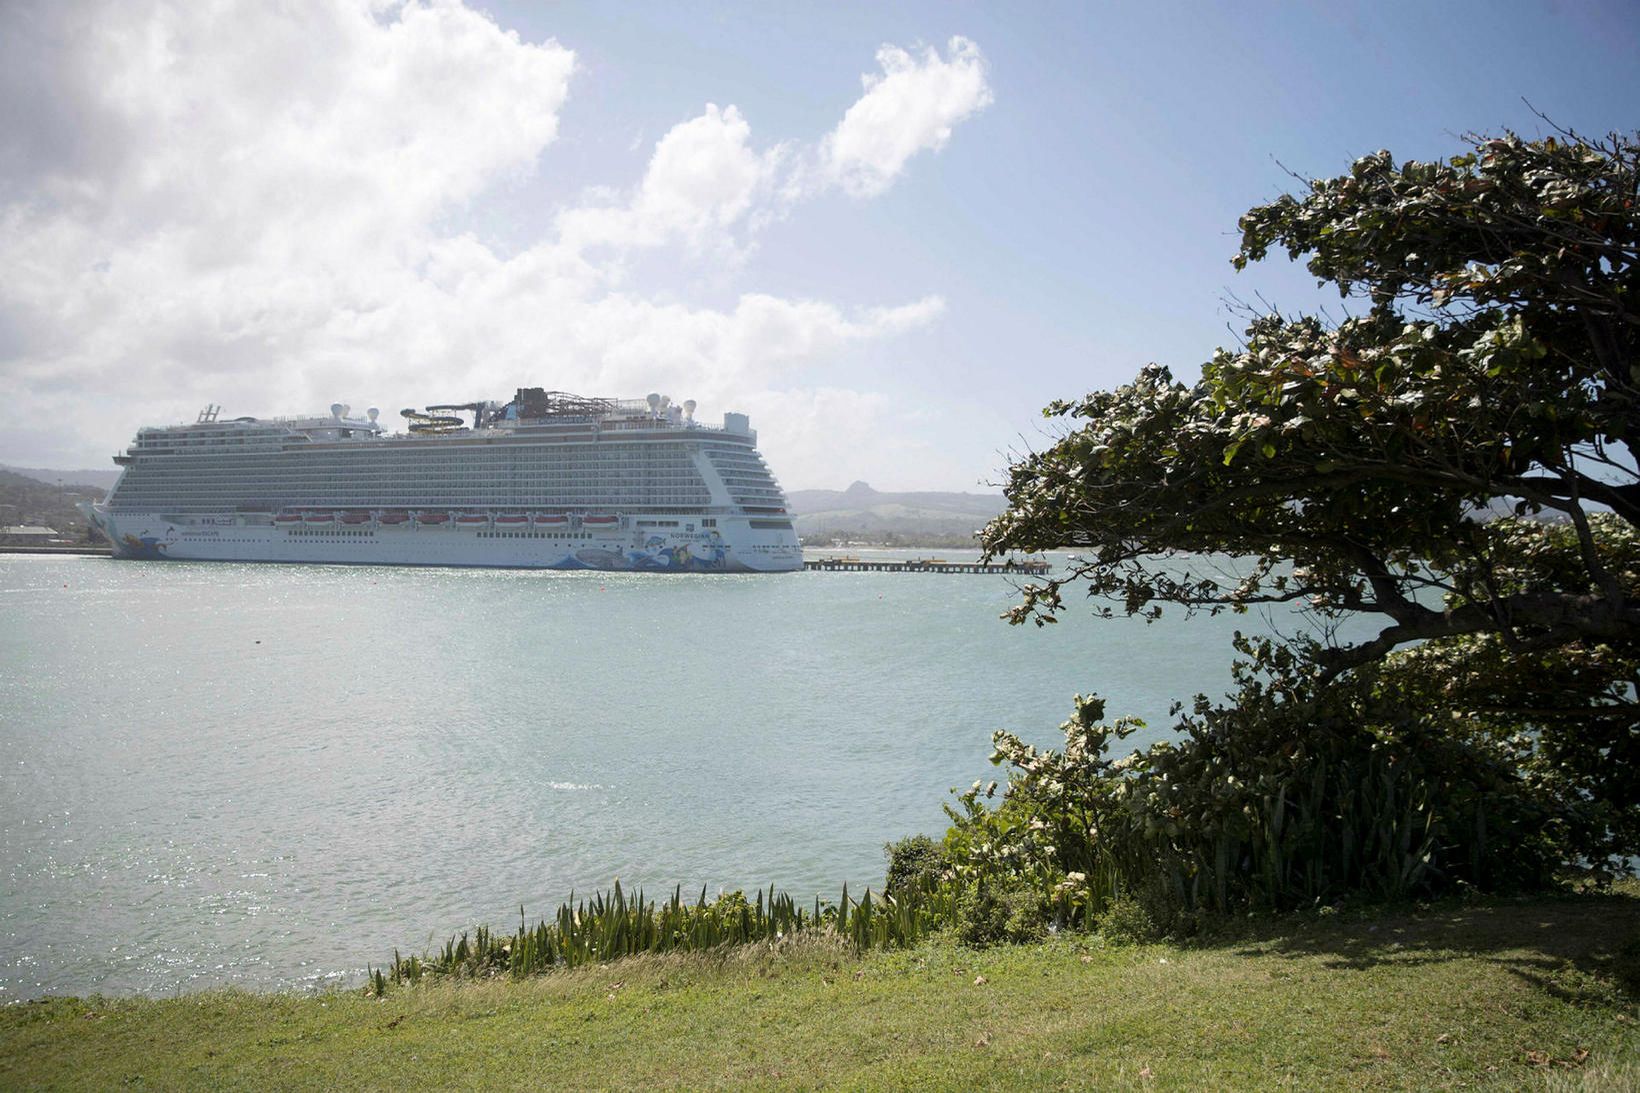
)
(925, 565)
(102, 550)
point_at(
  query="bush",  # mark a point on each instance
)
(1126, 921)
(1298, 791)
(990, 914)
(915, 863)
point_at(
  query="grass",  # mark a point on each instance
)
(1497, 994)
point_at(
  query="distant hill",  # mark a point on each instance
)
(26, 500)
(861, 513)
(103, 480)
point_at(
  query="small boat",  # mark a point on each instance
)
(432, 518)
(319, 518)
(600, 521)
(355, 518)
(550, 520)
(393, 519)
(285, 519)
(473, 520)
(511, 520)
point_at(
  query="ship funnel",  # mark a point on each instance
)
(666, 400)
(337, 409)
(654, 401)
(689, 409)
(345, 409)
(372, 413)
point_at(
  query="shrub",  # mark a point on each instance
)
(1124, 921)
(1001, 912)
(916, 862)
(1299, 790)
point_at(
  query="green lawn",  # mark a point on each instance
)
(1540, 993)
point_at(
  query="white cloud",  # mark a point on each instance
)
(910, 107)
(701, 180)
(260, 204)
(273, 168)
(705, 178)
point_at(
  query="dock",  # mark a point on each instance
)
(926, 565)
(88, 549)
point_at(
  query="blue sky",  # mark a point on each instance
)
(1055, 225)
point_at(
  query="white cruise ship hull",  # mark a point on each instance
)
(733, 546)
(550, 480)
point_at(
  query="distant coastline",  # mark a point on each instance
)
(864, 517)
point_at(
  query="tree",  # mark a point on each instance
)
(1360, 466)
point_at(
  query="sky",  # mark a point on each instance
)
(889, 233)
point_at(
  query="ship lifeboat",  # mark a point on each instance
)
(550, 520)
(319, 518)
(600, 521)
(432, 519)
(355, 518)
(394, 519)
(286, 519)
(473, 520)
(511, 520)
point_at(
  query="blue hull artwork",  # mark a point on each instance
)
(697, 557)
(144, 548)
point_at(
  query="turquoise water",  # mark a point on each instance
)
(269, 775)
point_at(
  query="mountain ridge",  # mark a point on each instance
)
(85, 476)
(931, 517)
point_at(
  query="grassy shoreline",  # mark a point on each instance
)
(1493, 994)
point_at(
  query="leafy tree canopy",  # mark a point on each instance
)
(1361, 465)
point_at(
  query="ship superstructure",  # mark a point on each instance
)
(547, 480)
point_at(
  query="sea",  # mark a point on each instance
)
(270, 776)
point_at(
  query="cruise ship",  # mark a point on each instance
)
(549, 480)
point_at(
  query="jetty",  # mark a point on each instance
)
(99, 550)
(851, 564)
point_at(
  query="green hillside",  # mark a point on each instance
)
(51, 476)
(28, 501)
